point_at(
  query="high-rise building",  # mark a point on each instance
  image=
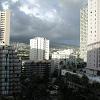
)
(93, 53)
(4, 27)
(83, 32)
(10, 71)
(39, 49)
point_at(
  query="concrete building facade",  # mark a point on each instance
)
(83, 32)
(62, 54)
(39, 49)
(4, 27)
(10, 71)
(93, 53)
(41, 68)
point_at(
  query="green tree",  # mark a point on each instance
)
(84, 80)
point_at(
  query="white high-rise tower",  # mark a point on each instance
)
(93, 54)
(4, 27)
(39, 49)
(83, 32)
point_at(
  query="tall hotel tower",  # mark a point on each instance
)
(4, 27)
(83, 32)
(39, 49)
(93, 53)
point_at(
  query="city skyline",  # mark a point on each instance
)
(58, 20)
(49, 50)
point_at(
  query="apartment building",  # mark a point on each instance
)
(41, 68)
(93, 48)
(83, 32)
(39, 49)
(4, 27)
(10, 71)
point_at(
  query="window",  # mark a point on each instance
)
(5, 79)
(5, 88)
(5, 67)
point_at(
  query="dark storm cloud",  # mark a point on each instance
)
(57, 20)
(1, 1)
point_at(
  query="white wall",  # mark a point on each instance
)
(39, 49)
(93, 58)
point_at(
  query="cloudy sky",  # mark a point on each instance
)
(57, 20)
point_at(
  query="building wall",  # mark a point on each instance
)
(62, 54)
(4, 27)
(39, 68)
(93, 54)
(83, 32)
(10, 71)
(39, 49)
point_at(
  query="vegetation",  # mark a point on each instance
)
(34, 88)
(81, 89)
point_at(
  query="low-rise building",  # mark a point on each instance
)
(62, 54)
(23, 50)
(41, 68)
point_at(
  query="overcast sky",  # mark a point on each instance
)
(57, 20)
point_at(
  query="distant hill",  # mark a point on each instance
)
(62, 45)
(56, 45)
